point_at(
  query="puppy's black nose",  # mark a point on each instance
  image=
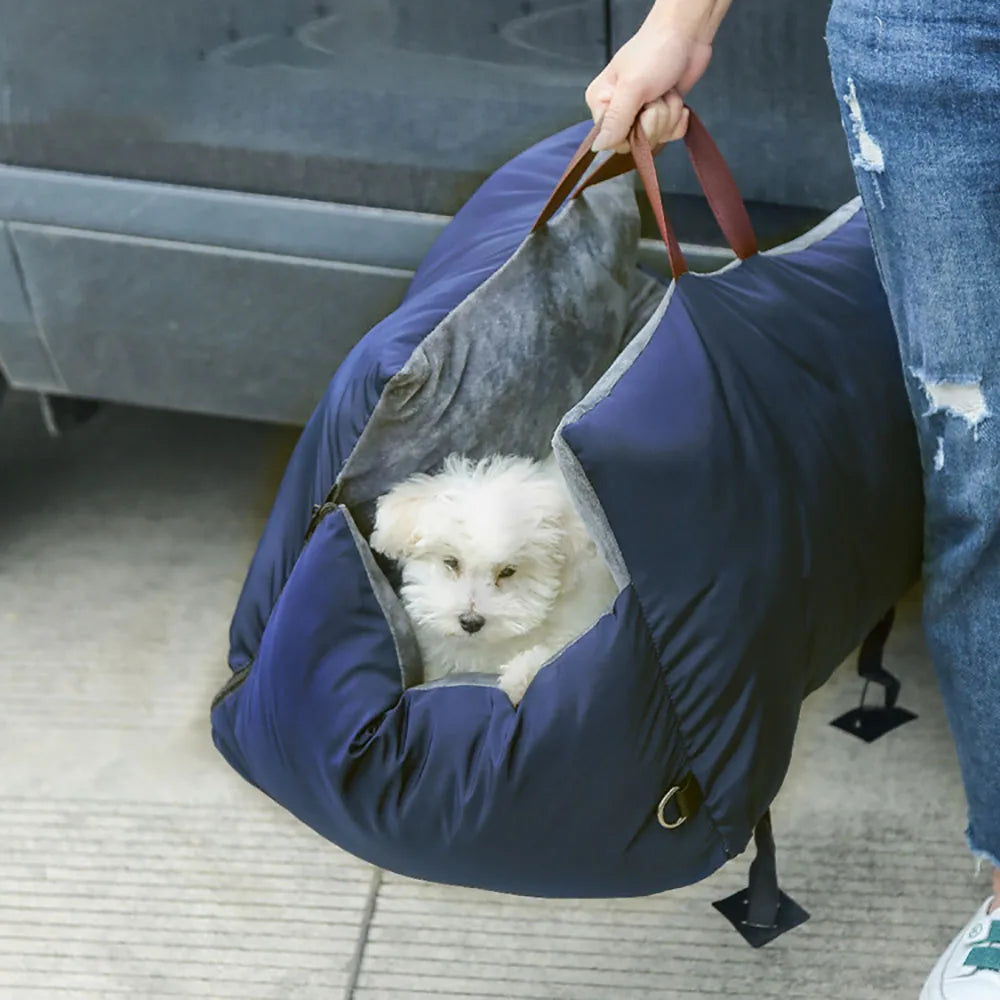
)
(471, 622)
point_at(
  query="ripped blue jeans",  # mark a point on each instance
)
(919, 89)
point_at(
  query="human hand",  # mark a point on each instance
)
(653, 71)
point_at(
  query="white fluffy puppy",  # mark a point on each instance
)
(499, 572)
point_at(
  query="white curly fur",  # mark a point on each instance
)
(497, 540)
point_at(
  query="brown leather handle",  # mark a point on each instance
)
(710, 168)
(642, 158)
(582, 159)
(719, 185)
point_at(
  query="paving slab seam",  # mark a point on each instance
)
(367, 916)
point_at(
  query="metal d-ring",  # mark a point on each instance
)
(664, 802)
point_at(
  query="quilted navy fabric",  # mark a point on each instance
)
(755, 460)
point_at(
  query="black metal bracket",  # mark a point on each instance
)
(869, 722)
(761, 912)
(787, 916)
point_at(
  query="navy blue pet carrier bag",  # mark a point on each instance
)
(740, 447)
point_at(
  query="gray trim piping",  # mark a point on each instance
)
(403, 637)
(579, 486)
(829, 225)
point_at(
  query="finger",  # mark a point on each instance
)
(680, 130)
(655, 122)
(598, 95)
(620, 114)
(660, 118)
(675, 107)
(598, 108)
(598, 113)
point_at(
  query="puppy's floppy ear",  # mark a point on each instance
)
(398, 515)
(559, 520)
(578, 540)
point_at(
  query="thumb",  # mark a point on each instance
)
(624, 106)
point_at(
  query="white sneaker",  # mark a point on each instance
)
(970, 967)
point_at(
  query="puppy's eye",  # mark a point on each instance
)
(452, 563)
(506, 572)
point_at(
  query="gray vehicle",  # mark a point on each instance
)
(205, 205)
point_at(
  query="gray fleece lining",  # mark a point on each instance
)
(403, 638)
(588, 505)
(464, 680)
(819, 232)
(561, 309)
(570, 309)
